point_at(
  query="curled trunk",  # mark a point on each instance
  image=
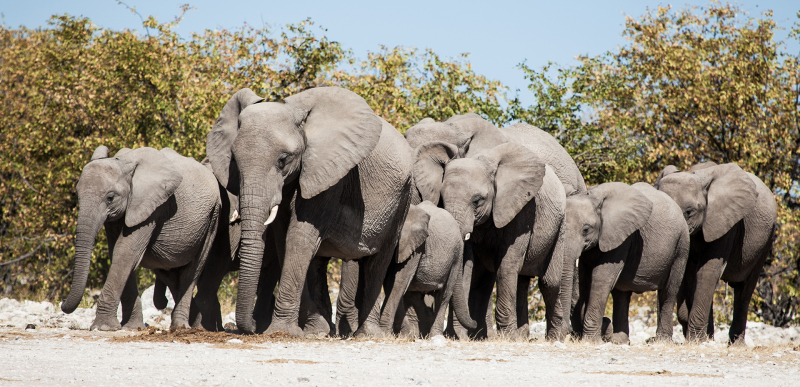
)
(85, 235)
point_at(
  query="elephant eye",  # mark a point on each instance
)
(110, 197)
(282, 161)
(688, 213)
(585, 229)
(477, 201)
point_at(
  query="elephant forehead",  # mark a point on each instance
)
(580, 208)
(680, 185)
(265, 115)
(99, 173)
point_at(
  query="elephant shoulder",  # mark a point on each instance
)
(551, 196)
(393, 152)
(665, 210)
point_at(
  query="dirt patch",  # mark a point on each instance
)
(289, 361)
(486, 359)
(654, 373)
(197, 335)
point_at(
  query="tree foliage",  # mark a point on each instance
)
(692, 85)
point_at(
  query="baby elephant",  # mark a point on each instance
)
(160, 211)
(630, 239)
(430, 257)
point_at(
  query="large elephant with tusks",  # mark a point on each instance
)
(330, 177)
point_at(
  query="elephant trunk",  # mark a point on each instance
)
(85, 234)
(465, 218)
(460, 298)
(256, 201)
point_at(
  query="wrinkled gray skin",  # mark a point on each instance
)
(471, 134)
(160, 212)
(629, 239)
(338, 177)
(731, 217)
(430, 256)
(512, 236)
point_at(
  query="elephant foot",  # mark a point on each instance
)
(102, 323)
(696, 338)
(620, 338)
(660, 339)
(592, 340)
(370, 330)
(134, 325)
(457, 332)
(278, 326)
(317, 327)
(607, 329)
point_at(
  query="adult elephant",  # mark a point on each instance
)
(731, 216)
(160, 212)
(510, 206)
(328, 176)
(629, 239)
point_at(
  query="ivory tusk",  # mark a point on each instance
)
(576, 263)
(466, 237)
(272, 214)
(234, 216)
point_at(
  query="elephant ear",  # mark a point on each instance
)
(100, 153)
(731, 196)
(154, 180)
(702, 165)
(122, 152)
(430, 159)
(222, 135)
(414, 232)
(624, 210)
(519, 174)
(668, 170)
(341, 130)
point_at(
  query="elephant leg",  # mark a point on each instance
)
(522, 328)
(701, 313)
(209, 315)
(669, 295)
(742, 293)
(685, 297)
(454, 327)
(160, 295)
(189, 276)
(400, 277)
(303, 241)
(442, 301)
(582, 286)
(480, 302)
(374, 271)
(551, 297)
(603, 278)
(318, 319)
(423, 314)
(132, 318)
(622, 301)
(507, 278)
(265, 300)
(411, 323)
(128, 253)
(346, 310)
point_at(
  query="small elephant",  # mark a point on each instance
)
(510, 208)
(160, 212)
(328, 176)
(429, 261)
(731, 215)
(629, 239)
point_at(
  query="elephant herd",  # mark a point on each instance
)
(455, 209)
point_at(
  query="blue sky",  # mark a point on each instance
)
(498, 34)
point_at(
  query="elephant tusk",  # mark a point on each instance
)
(576, 263)
(466, 237)
(234, 216)
(272, 214)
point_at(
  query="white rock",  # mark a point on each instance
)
(438, 341)
(235, 341)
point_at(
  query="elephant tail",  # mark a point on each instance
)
(460, 298)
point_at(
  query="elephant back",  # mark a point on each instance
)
(550, 152)
(442, 247)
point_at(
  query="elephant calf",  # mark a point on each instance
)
(160, 211)
(430, 258)
(629, 239)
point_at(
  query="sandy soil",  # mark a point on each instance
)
(59, 356)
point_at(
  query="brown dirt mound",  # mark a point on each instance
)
(197, 335)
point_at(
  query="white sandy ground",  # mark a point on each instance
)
(62, 351)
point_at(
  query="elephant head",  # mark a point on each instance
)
(498, 182)
(712, 197)
(464, 131)
(605, 216)
(255, 148)
(130, 185)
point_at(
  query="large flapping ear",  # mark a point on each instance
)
(668, 170)
(429, 161)
(154, 180)
(731, 196)
(341, 130)
(414, 232)
(624, 210)
(519, 174)
(703, 165)
(122, 151)
(222, 135)
(100, 153)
